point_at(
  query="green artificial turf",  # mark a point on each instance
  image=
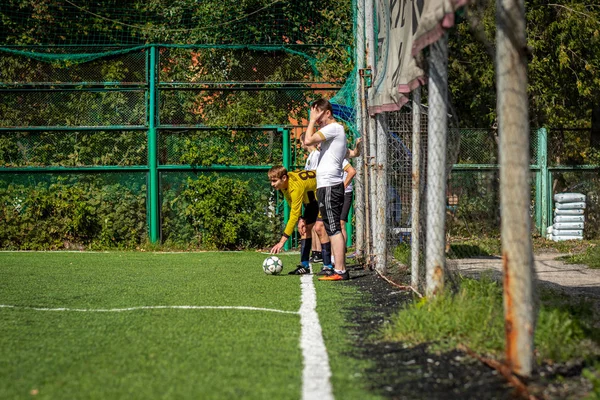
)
(147, 354)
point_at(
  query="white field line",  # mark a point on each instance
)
(105, 310)
(316, 373)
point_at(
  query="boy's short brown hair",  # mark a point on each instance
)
(323, 105)
(277, 172)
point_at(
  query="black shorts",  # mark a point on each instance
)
(311, 211)
(346, 207)
(331, 202)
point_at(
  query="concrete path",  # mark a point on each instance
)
(574, 279)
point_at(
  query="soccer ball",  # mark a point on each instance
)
(272, 265)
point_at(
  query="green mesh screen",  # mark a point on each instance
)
(220, 147)
(55, 211)
(73, 148)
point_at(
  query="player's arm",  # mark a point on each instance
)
(351, 173)
(312, 136)
(296, 209)
(355, 152)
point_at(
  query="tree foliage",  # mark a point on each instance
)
(563, 38)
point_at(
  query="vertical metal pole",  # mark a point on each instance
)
(368, 242)
(513, 122)
(415, 231)
(153, 183)
(542, 157)
(359, 188)
(381, 227)
(370, 156)
(285, 133)
(435, 257)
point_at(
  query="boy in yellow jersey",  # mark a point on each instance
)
(298, 188)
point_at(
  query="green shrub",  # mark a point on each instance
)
(226, 213)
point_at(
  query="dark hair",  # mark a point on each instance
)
(323, 105)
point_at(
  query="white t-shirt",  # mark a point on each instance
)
(344, 166)
(333, 153)
(312, 161)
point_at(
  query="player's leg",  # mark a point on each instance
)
(345, 213)
(316, 257)
(311, 211)
(332, 199)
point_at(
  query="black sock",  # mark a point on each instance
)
(326, 252)
(305, 245)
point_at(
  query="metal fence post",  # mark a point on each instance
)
(542, 158)
(153, 180)
(359, 187)
(285, 133)
(435, 256)
(415, 227)
(513, 123)
(381, 228)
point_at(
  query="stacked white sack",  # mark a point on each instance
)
(569, 217)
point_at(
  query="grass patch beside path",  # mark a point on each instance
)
(474, 317)
(590, 257)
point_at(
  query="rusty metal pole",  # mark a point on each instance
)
(367, 238)
(513, 122)
(371, 157)
(415, 227)
(435, 256)
(359, 181)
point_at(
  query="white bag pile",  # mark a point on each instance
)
(569, 217)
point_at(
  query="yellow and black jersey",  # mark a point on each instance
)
(302, 189)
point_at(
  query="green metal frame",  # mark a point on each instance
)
(153, 128)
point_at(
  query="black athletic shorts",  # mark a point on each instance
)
(311, 210)
(331, 202)
(346, 207)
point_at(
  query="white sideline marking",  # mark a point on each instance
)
(316, 373)
(152, 308)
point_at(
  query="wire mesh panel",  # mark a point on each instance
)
(571, 147)
(72, 211)
(235, 107)
(211, 65)
(73, 148)
(127, 68)
(225, 210)
(220, 147)
(72, 108)
(400, 155)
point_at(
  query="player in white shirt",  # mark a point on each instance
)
(330, 184)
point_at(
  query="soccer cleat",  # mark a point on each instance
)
(325, 271)
(335, 276)
(300, 270)
(316, 258)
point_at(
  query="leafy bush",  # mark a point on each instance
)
(62, 215)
